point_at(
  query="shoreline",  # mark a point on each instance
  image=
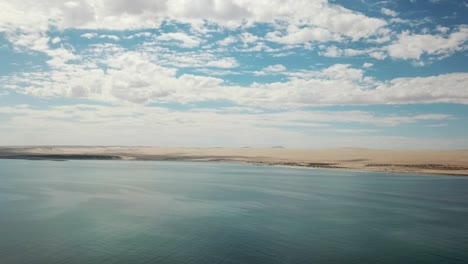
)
(448, 162)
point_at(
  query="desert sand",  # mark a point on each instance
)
(444, 162)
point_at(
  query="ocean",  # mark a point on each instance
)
(203, 212)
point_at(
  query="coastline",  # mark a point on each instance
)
(435, 162)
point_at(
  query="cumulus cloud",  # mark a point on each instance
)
(291, 23)
(329, 22)
(130, 77)
(185, 40)
(55, 40)
(39, 42)
(445, 88)
(388, 12)
(187, 58)
(333, 51)
(275, 68)
(223, 63)
(113, 37)
(137, 77)
(247, 38)
(227, 41)
(89, 35)
(349, 87)
(149, 73)
(413, 46)
(300, 35)
(140, 35)
(182, 51)
(272, 69)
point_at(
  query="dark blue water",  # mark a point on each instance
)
(186, 212)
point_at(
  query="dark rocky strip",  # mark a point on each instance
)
(60, 157)
(299, 164)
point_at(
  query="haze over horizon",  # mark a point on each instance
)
(235, 73)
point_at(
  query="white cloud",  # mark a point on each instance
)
(341, 85)
(131, 77)
(413, 46)
(55, 40)
(388, 12)
(39, 42)
(138, 77)
(149, 75)
(227, 41)
(258, 47)
(60, 56)
(335, 72)
(398, 20)
(32, 41)
(223, 63)
(187, 59)
(379, 55)
(113, 37)
(272, 69)
(217, 72)
(148, 71)
(300, 35)
(333, 51)
(140, 35)
(185, 40)
(89, 35)
(247, 38)
(443, 88)
(328, 21)
(275, 68)
(442, 29)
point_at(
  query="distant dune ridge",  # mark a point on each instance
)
(446, 162)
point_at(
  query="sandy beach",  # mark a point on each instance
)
(445, 162)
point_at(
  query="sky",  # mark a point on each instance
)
(235, 73)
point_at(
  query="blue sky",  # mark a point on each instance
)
(234, 73)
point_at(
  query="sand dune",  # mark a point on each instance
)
(448, 162)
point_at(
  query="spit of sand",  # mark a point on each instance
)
(449, 162)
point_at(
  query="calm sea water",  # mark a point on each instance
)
(189, 212)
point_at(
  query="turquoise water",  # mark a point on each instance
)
(190, 212)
